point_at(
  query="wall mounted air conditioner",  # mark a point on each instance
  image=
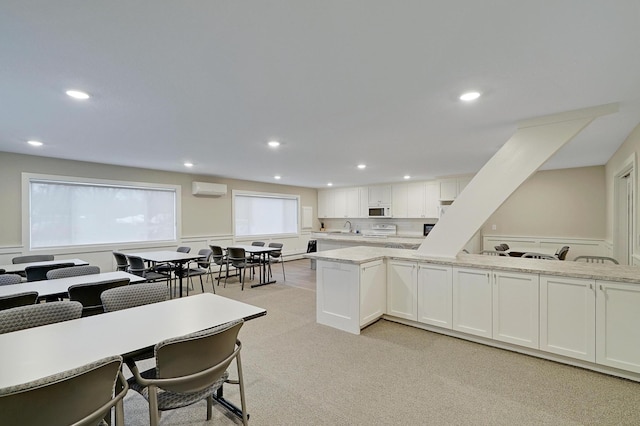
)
(210, 189)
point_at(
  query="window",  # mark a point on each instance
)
(265, 214)
(67, 212)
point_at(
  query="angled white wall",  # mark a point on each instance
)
(529, 148)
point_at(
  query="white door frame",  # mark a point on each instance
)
(620, 186)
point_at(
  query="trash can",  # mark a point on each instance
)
(312, 247)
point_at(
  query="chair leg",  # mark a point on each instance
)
(284, 278)
(201, 284)
(244, 274)
(154, 417)
(209, 404)
(243, 406)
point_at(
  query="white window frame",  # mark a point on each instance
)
(237, 192)
(26, 209)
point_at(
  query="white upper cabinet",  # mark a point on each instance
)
(415, 199)
(346, 202)
(399, 197)
(431, 203)
(380, 196)
(326, 204)
(450, 188)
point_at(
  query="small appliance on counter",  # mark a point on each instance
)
(427, 228)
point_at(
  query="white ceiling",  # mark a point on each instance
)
(337, 82)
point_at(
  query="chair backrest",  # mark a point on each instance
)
(37, 315)
(183, 249)
(204, 263)
(588, 259)
(32, 258)
(72, 271)
(217, 254)
(89, 294)
(6, 279)
(130, 296)
(121, 261)
(498, 247)
(236, 255)
(505, 246)
(561, 253)
(136, 265)
(204, 356)
(39, 273)
(258, 243)
(276, 254)
(18, 299)
(532, 255)
(83, 395)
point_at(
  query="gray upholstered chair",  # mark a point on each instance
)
(533, 255)
(72, 271)
(6, 279)
(561, 253)
(199, 268)
(189, 369)
(39, 273)
(89, 294)
(130, 296)
(276, 256)
(122, 264)
(588, 259)
(37, 315)
(137, 267)
(32, 258)
(82, 396)
(18, 299)
(236, 257)
(219, 258)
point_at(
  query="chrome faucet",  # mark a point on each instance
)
(345, 225)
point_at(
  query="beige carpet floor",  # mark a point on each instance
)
(300, 373)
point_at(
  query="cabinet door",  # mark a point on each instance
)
(337, 298)
(364, 201)
(339, 203)
(515, 308)
(380, 195)
(472, 301)
(402, 283)
(448, 189)
(373, 291)
(325, 204)
(400, 200)
(618, 325)
(431, 201)
(352, 196)
(435, 294)
(567, 317)
(415, 200)
(462, 184)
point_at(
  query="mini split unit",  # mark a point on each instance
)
(208, 189)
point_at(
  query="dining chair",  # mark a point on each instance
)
(81, 396)
(584, 258)
(532, 255)
(189, 369)
(122, 264)
(218, 257)
(32, 258)
(275, 257)
(130, 296)
(22, 317)
(237, 257)
(6, 279)
(89, 294)
(39, 272)
(137, 267)
(18, 299)
(169, 268)
(202, 267)
(254, 259)
(561, 253)
(72, 271)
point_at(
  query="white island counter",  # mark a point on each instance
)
(576, 313)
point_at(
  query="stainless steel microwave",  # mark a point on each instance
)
(379, 211)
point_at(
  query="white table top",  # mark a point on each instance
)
(60, 285)
(41, 351)
(541, 250)
(166, 256)
(257, 249)
(20, 267)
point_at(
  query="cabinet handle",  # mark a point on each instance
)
(590, 286)
(601, 287)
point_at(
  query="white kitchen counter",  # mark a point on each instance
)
(360, 239)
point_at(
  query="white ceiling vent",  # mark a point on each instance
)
(210, 189)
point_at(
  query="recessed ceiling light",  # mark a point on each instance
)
(76, 94)
(34, 143)
(329, 184)
(277, 177)
(187, 164)
(274, 144)
(362, 166)
(407, 177)
(469, 96)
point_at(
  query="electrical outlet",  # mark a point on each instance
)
(494, 227)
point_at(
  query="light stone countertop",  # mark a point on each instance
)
(608, 272)
(355, 238)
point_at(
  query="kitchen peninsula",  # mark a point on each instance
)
(576, 313)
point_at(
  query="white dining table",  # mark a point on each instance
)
(263, 253)
(38, 352)
(61, 285)
(167, 256)
(18, 268)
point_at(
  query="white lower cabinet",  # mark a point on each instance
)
(568, 317)
(618, 325)
(350, 296)
(472, 301)
(515, 308)
(402, 289)
(435, 288)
